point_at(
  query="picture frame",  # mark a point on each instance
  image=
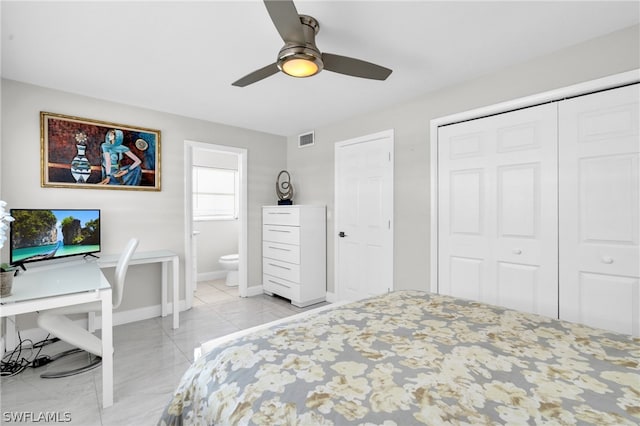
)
(86, 153)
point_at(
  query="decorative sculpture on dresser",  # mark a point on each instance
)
(284, 188)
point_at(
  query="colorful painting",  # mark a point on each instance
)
(84, 153)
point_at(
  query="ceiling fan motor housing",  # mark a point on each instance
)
(299, 57)
(308, 51)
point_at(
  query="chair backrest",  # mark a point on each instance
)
(121, 271)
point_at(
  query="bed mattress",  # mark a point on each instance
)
(411, 357)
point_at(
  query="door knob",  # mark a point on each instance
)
(516, 251)
(342, 234)
(608, 260)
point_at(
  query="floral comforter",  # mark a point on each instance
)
(411, 357)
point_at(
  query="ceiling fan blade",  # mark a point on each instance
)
(354, 67)
(257, 75)
(286, 19)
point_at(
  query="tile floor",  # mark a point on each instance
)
(149, 359)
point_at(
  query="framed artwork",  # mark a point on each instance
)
(83, 153)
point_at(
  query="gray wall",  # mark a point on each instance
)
(156, 218)
(312, 168)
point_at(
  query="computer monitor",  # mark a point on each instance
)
(43, 234)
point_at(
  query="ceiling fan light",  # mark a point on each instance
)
(300, 67)
(299, 61)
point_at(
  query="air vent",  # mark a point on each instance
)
(306, 139)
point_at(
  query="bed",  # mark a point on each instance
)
(411, 357)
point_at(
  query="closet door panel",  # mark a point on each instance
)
(608, 218)
(520, 214)
(466, 202)
(518, 286)
(464, 253)
(466, 277)
(518, 189)
(608, 301)
(497, 187)
(599, 209)
(526, 246)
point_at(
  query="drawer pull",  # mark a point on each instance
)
(279, 230)
(608, 260)
(279, 248)
(278, 212)
(281, 267)
(280, 284)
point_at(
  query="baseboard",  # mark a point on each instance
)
(213, 275)
(119, 318)
(254, 290)
(139, 314)
(129, 316)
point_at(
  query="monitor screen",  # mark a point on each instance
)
(42, 234)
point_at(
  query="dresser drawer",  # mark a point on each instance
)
(284, 270)
(281, 216)
(285, 252)
(281, 287)
(281, 234)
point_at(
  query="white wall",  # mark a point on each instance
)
(312, 167)
(157, 218)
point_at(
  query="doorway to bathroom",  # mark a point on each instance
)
(215, 221)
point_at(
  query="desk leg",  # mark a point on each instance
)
(176, 300)
(91, 322)
(163, 298)
(107, 349)
(9, 333)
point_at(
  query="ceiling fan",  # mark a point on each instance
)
(299, 57)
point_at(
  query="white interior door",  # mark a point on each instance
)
(364, 216)
(599, 210)
(497, 219)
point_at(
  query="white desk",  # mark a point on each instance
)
(64, 284)
(159, 256)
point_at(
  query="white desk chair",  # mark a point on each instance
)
(56, 321)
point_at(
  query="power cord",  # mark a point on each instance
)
(14, 363)
(40, 361)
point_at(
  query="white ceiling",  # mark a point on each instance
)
(181, 57)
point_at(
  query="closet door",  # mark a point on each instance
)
(599, 213)
(497, 201)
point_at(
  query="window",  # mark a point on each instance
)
(214, 193)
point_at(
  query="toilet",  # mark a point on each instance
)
(230, 263)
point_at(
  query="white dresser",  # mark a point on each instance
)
(294, 253)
